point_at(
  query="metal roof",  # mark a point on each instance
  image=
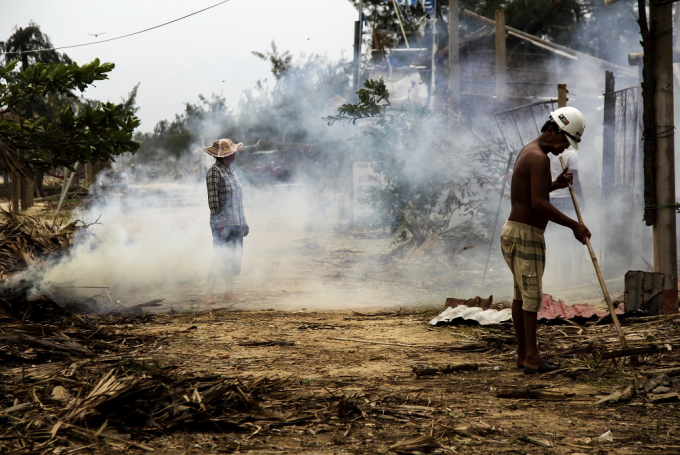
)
(464, 312)
(550, 309)
(557, 309)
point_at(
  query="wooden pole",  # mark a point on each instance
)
(501, 58)
(562, 95)
(16, 192)
(26, 193)
(608, 156)
(600, 278)
(454, 62)
(89, 174)
(664, 229)
(433, 62)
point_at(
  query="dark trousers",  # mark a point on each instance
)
(228, 245)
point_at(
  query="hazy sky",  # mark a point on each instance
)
(206, 53)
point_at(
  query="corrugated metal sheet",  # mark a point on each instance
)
(554, 309)
(550, 309)
(466, 313)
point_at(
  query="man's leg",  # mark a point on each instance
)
(532, 358)
(216, 269)
(229, 280)
(232, 265)
(518, 322)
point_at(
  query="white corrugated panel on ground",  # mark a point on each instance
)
(482, 317)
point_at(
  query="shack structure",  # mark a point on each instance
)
(496, 74)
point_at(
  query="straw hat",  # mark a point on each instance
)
(222, 148)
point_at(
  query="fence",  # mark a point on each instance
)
(522, 125)
(621, 206)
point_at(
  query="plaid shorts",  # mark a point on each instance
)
(524, 251)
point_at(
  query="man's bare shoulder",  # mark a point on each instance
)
(532, 153)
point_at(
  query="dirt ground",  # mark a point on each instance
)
(327, 356)
(368, 360)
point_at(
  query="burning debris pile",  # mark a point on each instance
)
(29, 240)
(26, 239)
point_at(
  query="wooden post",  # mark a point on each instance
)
(16, 192)
(89, 174)
(665, 241)
(454, 61)
(26, 193)
(562, 95)
(608, 157)
(501, 58)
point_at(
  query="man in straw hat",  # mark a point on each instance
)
(227, 219)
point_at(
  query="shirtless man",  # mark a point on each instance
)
(522, 239)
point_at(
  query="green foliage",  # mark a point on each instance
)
(280, 62)
(31, 39)
(427, 173)
(373, 100)
(76, 132)
(130, 104)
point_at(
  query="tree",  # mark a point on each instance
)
(84, 133)
(280, 62)
(31, 46)
(25, 41)
(427, 174)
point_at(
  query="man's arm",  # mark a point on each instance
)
(562, 181)
(538, 169)
(213, 182)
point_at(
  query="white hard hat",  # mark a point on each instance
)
(571, 122)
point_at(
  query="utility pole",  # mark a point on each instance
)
(358, 35)
(664, 227)
(454, 62)
(608, 158)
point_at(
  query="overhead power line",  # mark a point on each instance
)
(118, 37)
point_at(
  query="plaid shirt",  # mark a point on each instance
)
(224, 196)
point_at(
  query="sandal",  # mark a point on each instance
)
(545, 367)
(230, 298)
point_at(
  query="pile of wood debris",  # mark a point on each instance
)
(26, 238)
(445, 246)
(71, 381)
(583, 350)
